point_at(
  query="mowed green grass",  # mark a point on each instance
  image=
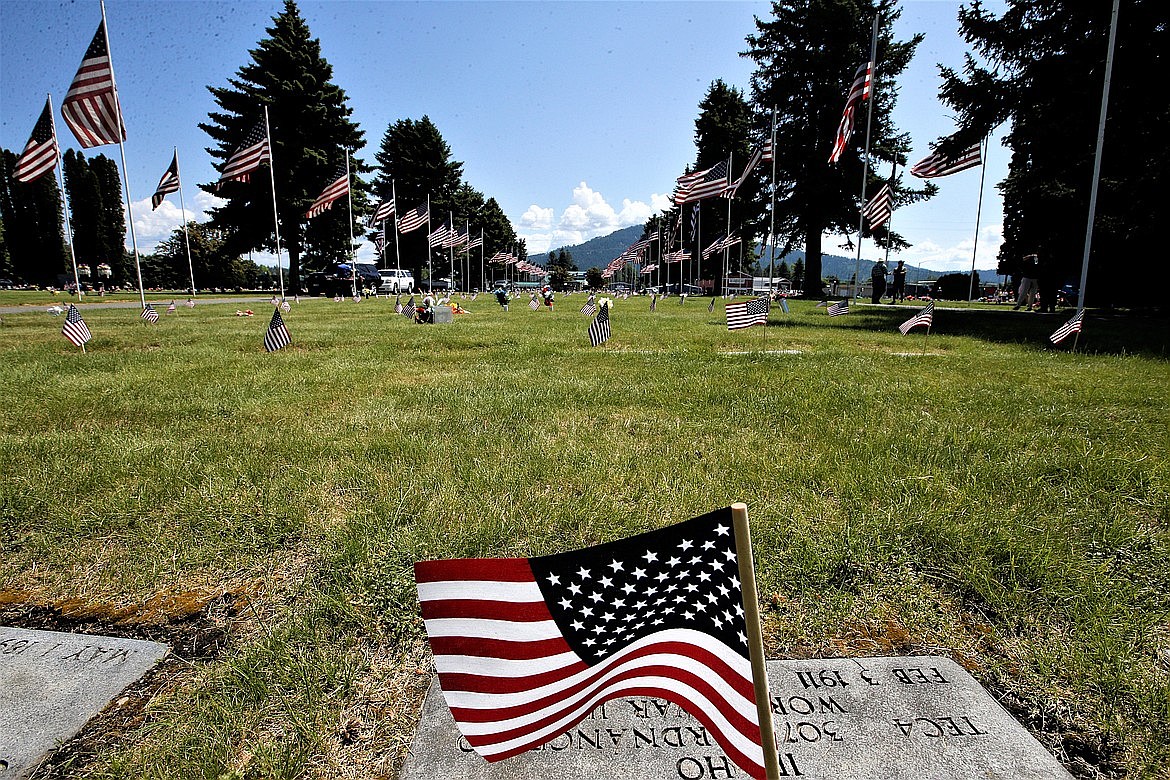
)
(977, 494)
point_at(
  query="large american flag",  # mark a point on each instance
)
(677, 256)
(1068, 328)
(936, 164)
(250, 155)
(879, 208)
(525, 648)
(413, 219)
(696, 186)
(440, 234)
(40, 153)
(924, 316)
(91, 106)
(753, 161)
(334, 190)
(75, 328)
(858, 92)
(167, 184)
(276, 336)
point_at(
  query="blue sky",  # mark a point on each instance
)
(575, 116)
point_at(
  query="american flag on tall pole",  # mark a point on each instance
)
(253, 152)
(167, 184)
(439, 235)
(924, 316)
(937, 164)
(753, 161)
(333, 191)
(701, 185)
(413, 219)
(91, 108)
(379, 241)
(40, 153)
(526, 648)
(879, 208)
(859, 91)
(75, 328)
(276, 337)
(384, 211)
(1068, 328)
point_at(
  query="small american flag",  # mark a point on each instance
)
(149, 314)
(75, 328)
(654, 302)
(397, 304)
(744, 314)
(839, 308)
(285, 306)
(711, 305)
(413, 219)
(408, 309)
(525, 648)
(924, 316)
(91, 106)
(167, 184)
(534, 304)
(190, 304)
(171, 308)
(332, 191)
(936, 164)
(879, 208)
(250, 155)
(276, 337)
(40, 153)
(858, 92)
(590, 307)
(1068, 328)
(599, 328)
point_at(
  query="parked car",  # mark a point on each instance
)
(443, 284)
(689, 289)
(396, 280)
(338, 279)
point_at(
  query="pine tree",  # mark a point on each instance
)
(34, 242)
(311, 133)
(111, 238)
(1044, 72)
(806, 55)
(85, 210)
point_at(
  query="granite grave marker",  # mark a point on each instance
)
(52, 683)
(908, 718)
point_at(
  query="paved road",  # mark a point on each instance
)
(44, 306)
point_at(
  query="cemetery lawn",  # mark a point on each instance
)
(976, 494)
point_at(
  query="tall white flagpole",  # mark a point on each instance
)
(1097, 164)
(772, 212)
(978, 213)
(430, 273)
(397, 254)
(865, 160)
(122, 151)
(186, 237)
(65, 205)
(349, 205)
(275, 216)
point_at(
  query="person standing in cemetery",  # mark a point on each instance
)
(1028, 287)
(898, 291)
(877, 278)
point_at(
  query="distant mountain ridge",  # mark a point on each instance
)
(597, 252)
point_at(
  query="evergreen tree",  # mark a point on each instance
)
(33, 246)
(806, 56)
(1045, 63)
(211, 262)
(111, 237)
(311, 133)
(86, 214)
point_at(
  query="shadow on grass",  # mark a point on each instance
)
(1109, 333)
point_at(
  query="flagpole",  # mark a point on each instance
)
(397, 254)
(64, 203)
(772, 210)
(186, 237)
(755, 638)
(890, 219)
(349, 205)
(451, 253)
(1097, 164)
(865, 160)
(272, 178)
(430, 273)
(978, 212)
(122, 151)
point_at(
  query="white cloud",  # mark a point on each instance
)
(153, 226)
(588, 215)
(957, 257)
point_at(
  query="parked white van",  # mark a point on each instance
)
(396, 280)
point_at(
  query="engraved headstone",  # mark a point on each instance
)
(52, 683)
(836, 719)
